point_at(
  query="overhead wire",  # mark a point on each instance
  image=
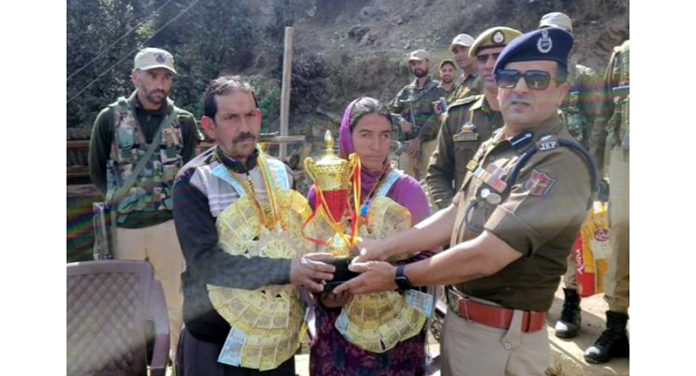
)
(117, 40)
(131, 52)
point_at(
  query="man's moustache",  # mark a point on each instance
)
(244, 137)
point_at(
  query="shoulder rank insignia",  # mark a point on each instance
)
(465, 100)
(539, 183)
(547, 143)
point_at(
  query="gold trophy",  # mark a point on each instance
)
(332, 177)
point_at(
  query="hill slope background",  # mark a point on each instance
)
(342, 49)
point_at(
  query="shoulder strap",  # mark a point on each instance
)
(277, 168)
(389, 181)
(574, 146)
(156, 140)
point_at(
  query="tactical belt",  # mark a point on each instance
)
(496, 317)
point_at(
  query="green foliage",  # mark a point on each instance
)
(206, 37)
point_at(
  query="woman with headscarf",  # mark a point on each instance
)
(391, 341)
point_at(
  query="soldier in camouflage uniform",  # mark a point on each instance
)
(447, 71)
(121, 135)
(470, 121)
(469, 82)
(613, 342)
(417, 119)
(581, 111)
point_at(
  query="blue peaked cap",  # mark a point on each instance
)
(550, 43)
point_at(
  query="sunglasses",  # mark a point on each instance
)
(483, 58)
(535, 79)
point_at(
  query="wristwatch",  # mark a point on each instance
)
(401, 279)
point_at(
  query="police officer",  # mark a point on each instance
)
(582, 111)
(613, 342)
(510, 225)
(415, 114)
(121, 137)
(470, 121)
(468, 83)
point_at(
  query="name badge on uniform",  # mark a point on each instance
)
(547, 143)
(465, 136)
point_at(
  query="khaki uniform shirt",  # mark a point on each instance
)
(467, 86)
(540, 217)
(470, 122)
(415, 105)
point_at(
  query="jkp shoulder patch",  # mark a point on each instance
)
(547, 143)
(539, 183)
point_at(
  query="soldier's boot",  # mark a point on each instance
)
(612, 343)
(569, 324)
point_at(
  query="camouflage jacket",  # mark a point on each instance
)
(582, 106)
(615, 131)
(416, 106)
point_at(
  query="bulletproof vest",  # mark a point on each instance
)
(152, 189)
(620, 96)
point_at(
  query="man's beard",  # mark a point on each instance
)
(447, 80)
(152, 99)
(420, 73)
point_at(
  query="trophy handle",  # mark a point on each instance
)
(309, 166)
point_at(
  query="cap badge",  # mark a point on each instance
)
(498, 37)
(544, 44)
(159, 58)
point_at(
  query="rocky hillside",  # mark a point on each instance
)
(344, 49)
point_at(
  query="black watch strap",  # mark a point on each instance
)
(401, 280)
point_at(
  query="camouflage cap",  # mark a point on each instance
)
(448, 61)
(418, 55)
(151, 58)
(556, 19)
(498, 36)
(464, 40)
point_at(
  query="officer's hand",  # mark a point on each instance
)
(332, 300)
(406, 127)
(413, 147)
(369, 250)
(376, 276)
(603, 194)
(307, 271)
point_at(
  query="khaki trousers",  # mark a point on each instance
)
(160, 246)
(408, 164)
(570, 278)
(617, 281)
(470, 348)
(417, 167)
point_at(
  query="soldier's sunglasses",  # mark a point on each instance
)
(535, 79)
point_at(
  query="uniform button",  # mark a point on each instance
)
(507, 345)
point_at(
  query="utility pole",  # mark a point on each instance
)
(285, 91)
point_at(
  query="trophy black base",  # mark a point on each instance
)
(341, 274)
